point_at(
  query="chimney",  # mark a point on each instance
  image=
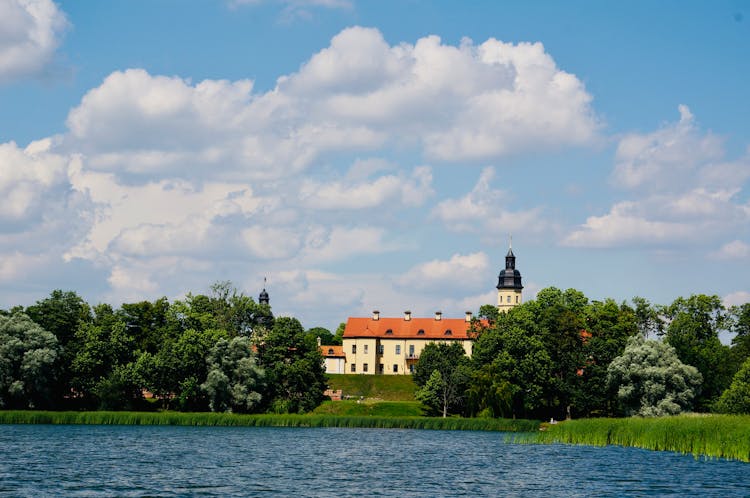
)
(319, 342)
(376, 315)
(407, 315)
(438, 315)
(468, 316)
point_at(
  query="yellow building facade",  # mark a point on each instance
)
(391, 346)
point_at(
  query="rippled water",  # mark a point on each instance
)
(218, 461)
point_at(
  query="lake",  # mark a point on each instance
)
(54, 460)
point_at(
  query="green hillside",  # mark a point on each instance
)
(385, 387)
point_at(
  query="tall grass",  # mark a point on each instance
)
(228, 419)
(717, 436)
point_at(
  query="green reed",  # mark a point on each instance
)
(265, 420)
(713, 436)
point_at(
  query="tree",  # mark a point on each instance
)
(693, 331)
(651, 381)
(294, 367)
(448, 387)
(27, 358)
(510, 354)
(234, 380)
(647, 317)
(235, 312)
(60, 313)
(740, 325)
(326, 338)
(736, 399)
(338, 337)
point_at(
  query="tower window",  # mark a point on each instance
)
(516, 299)
(508, 300)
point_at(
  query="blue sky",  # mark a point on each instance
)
(373, 155)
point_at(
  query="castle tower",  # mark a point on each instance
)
(263, 297)
(509, 287)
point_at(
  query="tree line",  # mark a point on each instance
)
(562, 355)
(220, 352)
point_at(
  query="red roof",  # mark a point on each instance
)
(332, 351)
(416, 328)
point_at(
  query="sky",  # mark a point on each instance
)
(364, 155)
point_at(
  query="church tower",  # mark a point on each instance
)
(509, 285)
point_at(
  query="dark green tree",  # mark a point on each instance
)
(450, 383)
(736, 399)
(294, 368)
(693, 331)
(326, 338)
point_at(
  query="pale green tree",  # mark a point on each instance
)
(28, 354)
(651, 381)
(234, 379)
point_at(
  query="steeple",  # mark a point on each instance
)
(509, 285)
(263, 297)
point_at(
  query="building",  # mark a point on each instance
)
(509, 287)
(334, 357)
(391, 346)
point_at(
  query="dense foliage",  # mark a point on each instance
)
(553, 357)
(221, 351)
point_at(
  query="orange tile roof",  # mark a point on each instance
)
(332, 351)
(407, 329)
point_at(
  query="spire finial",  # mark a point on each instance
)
(510, 242)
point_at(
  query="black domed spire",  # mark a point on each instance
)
(263, 297)
(510, 278)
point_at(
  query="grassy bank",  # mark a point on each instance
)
(385, 387)
(719, 436)
(232, 420)
(369, 408)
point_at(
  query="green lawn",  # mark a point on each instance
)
(370, 408)
(384, 387)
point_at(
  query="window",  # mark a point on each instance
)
(380, 368)
(330, 350)
(354, 367)
(411, 349)
(395, 368)
(420, 332)
(411, 368)
(449, 332)
(507, 300)
(389, 332)
(365, 348)
(364, 367)
(381, 349)
(398, 348)
(354, 350)
(516, 299)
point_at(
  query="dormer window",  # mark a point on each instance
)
(448, 332)
(420, 332)
(330, 350)
(389, 332)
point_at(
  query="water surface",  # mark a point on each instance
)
(39, 460)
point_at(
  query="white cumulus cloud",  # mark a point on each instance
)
(30, 32)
